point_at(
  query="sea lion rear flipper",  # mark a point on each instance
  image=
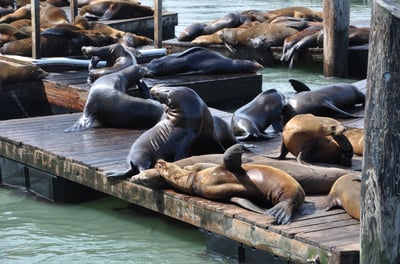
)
(247, 204)
(339, 111)
(282, 212)
(299, 86)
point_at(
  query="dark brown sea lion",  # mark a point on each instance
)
(185, 129)
(12, 72)
(345, 193)
(10, 33)
(328, 100)
(115, 9)
(199, 60)
(23, 12)
(117, 57)
(316, 139)
(258, 183)
(109, 105)
(356, 138)
(230, 20)
(358, 35)
(252, 119)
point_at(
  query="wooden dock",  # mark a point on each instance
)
(35, 152)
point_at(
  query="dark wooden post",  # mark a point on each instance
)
(336, 37)
(380, 188)
(35, 20)
(74, 9)
(157, 23)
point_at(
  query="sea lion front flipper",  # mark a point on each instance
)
(299, 86)
(118, 174)
(84, 122)
(339, 111)
(144, 90)
(247, 204)
(282, 212)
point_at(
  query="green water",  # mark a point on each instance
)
(111, 231)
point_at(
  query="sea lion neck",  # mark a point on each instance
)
(233, 159)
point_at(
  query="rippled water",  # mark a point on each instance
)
(109, 230)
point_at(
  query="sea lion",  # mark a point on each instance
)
(12, 72)
(198, 60)
(109, 105)
(345, 193)
(296, 12)
(252, 119)
(312, 138)
(314, 179)
(326, 101)
(51, 15)
(258, 183)
(230, 20)
(211, 39)
(10, 33)
(356, 138)
(260, 36)
(117, 57)
(114, 9)
(223, 132)
(185, 129)
(23, 12)
(192, 31)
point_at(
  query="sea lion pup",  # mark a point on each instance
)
(356, 138)
(252, 119)
(114, 9)
(326, 101)
(117, 57)
(345, 193)
(258, 183)
(198, 60)
(185, 129)
(109, 105)
(316, 139)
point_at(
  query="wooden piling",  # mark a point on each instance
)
(336, 37)
(157, 23)
(380, 189)
(35, 18)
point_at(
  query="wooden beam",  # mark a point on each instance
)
(35, 20)
(380, 187)
(74, 9)
(157, 23)
(336, 37)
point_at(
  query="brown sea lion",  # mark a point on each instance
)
(23, 12)
(109, 105)
(356, 138)
(345, 193)
(312, 138)
(262, 35)
(258, 183)
(327, 100)
(211, 39)
(252, 119)
(192, 31)
(314, 179)
(114, 9)
(296, 12)
(12, 72)
(198, 60)
(186, 129)
(51, 15)
(10, 33)
(358, 35)
(230, 20)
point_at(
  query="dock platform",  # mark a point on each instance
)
(36, 152)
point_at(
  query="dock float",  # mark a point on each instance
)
(37, 155)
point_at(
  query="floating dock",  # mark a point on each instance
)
(36, 154)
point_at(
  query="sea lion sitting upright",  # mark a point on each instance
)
(316, 139)
(199, 60)
(326, 100)
(345, 193)
(251, 120)
(260, 184)
(109, 104)
(186, 129)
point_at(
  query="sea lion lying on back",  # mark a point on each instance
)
(316, 139)
(260, 184)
